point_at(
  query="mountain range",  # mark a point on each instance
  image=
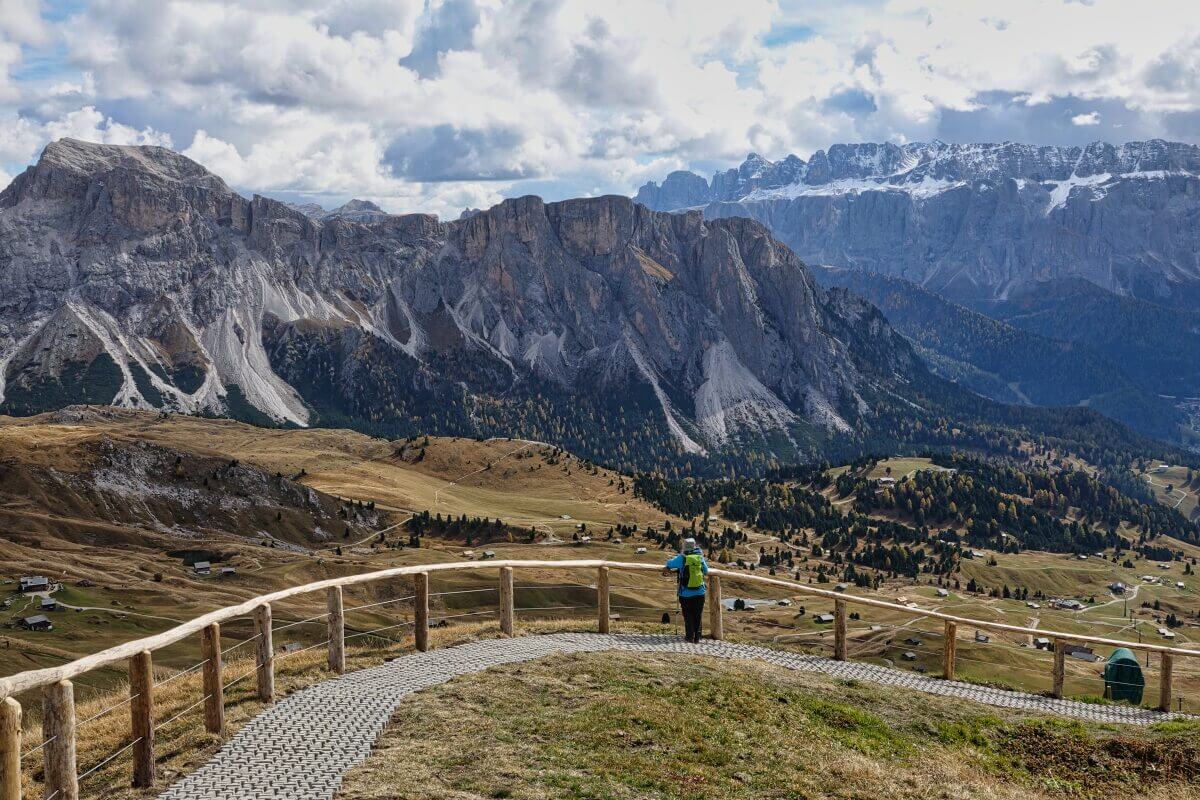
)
(975, 221)
(1085, 259)
(133, 276)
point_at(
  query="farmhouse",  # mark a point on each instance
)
(49, 604)
(202, 568)
(35, 583)
(1117, 588)
(1080, 652)
(823, 619)
(37, 623)
(982, 637)
(1042, 643)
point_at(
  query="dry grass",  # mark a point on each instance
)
(655, 726)
(518, 481)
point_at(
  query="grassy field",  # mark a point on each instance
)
(624, 726)
(901, 467)
(129, 584)
(133, 582)
(1171, 489)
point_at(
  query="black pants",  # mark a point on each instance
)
(693, 612)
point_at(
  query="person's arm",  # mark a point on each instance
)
(673, 564)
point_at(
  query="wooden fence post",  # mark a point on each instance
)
(602, 598)
(506, 601)
(716, 619)
(1060, 666)
(421, 611)
(839, 630)
(214, 686)
(10, 749)
(265, 655)
(141, 718)
(949, 649)
(58, 734)
(1164, 690)
(337, 630)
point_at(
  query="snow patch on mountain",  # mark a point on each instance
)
(922, 189)
(1061, 190)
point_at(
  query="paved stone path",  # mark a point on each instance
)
(300, 747)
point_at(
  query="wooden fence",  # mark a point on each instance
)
(58, 700)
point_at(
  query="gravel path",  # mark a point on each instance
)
(300, 748)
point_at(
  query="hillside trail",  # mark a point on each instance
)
(302, 746)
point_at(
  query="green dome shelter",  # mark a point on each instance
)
(1123, 679)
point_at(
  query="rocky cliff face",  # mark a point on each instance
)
(975, 221)
(133, 276)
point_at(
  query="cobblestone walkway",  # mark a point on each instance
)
(300, 748)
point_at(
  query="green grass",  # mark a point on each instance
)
(901, 467)
(625, 726)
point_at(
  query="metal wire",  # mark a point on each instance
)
(242, 677)
(466, 591)
(108, 710)
(186, 710)
(468, 614)
(378, 630)
(178, 675)
(231, 648)
(302, 650)
(303, 621)
(33, 750)
(124, 749)
(380, 603)
(559, 586)
(550, 608)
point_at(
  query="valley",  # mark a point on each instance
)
(363, 365)
(126, 571)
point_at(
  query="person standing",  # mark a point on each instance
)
(690, 568)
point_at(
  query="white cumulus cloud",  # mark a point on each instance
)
(423, 104)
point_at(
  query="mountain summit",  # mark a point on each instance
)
(133, 276)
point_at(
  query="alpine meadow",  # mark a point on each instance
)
(431, 398)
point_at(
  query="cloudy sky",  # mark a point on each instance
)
(434, 105)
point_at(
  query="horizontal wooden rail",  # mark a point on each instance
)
(33, 679)
(58, 729)
(38, 678)
(801, 588)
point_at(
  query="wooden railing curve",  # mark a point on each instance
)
(58, 696)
